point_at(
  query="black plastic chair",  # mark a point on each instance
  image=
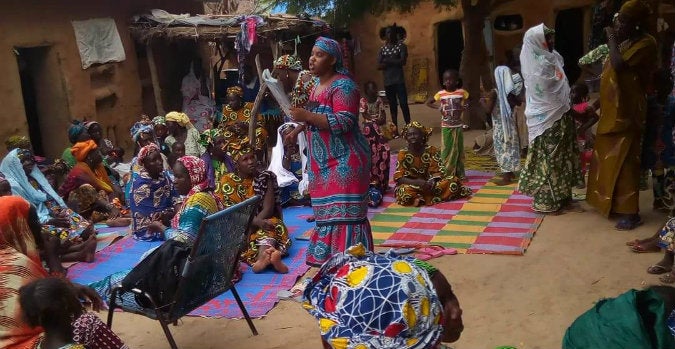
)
(207, 273)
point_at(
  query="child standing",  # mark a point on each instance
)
(374, 118)
(451, 101)
(584, 118)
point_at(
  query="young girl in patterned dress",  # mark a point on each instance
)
(374, 117)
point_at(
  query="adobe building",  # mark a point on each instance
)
(435, 36)
(44, 84)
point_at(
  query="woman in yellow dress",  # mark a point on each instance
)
(420, 178)
(237, 117)
(614, 177)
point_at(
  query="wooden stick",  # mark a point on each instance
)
(156, 87)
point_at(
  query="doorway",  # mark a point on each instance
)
(44, 98)
(569, 40)
(449, 45)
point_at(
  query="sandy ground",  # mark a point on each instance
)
(525, 301)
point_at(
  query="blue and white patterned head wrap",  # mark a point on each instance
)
(365, 300)
(332, 47)
(139, 128)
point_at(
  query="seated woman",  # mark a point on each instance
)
(74, 234)
(19, 240)
(77, 132)
(237, 118)
(190, 180)
(152, 194)
(269, 240)
(420, 178)
(88, 189)
(182, 131)
(96, 133)
(353, 289)
(643, 319)
(218, 163)
(288, 163)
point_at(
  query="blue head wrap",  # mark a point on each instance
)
(12, 168)
(332, 47)
(139, 128)
(75, 130)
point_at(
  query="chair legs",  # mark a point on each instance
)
(165, 327)
(112, 304)
(243, 311)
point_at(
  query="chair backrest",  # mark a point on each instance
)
(214, 257)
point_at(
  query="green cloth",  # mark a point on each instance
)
(68, 158)
(619, 323)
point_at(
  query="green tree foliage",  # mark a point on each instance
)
(341, 12)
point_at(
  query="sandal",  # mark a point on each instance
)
(625, 224)
(639, 248)
(668, 278)
(658, 269)
(434, 251)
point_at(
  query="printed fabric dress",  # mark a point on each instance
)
(149, 198)
(425, 166)
(379, 148)
(232, 117)
(77, 223)
(507, 151)
(234, 189)
(339, 174)
(552, 167)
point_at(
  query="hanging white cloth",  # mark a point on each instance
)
(98, 41)
(546, 88)
(284, 176)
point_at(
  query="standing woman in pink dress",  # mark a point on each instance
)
(339, 164)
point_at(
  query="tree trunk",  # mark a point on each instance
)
(475, 65)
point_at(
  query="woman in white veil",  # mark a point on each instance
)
(552, 168)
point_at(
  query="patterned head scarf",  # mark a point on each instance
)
(196, 168)
(235, 90)
(81, 149)
(209, 136)
(366, 300)
(159, 120)
(14, 230)
(237, 148)
(332, 47)
(637, 11)
(138, 128)
(76, 129)
(16, 141)
(426, 131)
(180, 118)
(145, 151)
(90, 124)
(288, 62)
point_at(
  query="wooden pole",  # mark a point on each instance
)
(156, 89)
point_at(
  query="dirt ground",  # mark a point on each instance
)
(524, 301)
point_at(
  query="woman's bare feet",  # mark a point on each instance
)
(277, 263)
(263, 261)
(505, 179)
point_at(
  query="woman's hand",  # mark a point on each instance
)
(300, 114)
(292, 137)
(156, 227)
(87, 293)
